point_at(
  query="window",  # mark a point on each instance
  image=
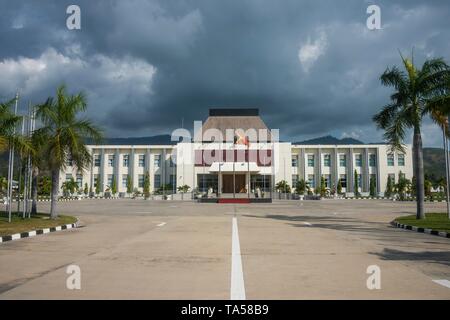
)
(392, 176)
(96, 179)
(80, 180)
(343, 160)
(358, 160)
(157, 161)
(157, 181)
(310, 160)
(68, 176)
(373, 177)
(111, 160)
(343, 179)
(359, 181)
(173, 181)
(401, 160)
(294, 180)
(171, 162)
(327, 160)
(294, 162)
(124, 180)
(327, 178)
(141, 181)
(372, 160)
(96, 160)
(390, 160)
(401, 176)
(126, 160)
(311, 181)
(69, 161)
(261, 181)
(206, 181)
(141, 162)
(110, 180)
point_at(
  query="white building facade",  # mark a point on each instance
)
(224, 168)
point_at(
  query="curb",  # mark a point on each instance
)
(421, 230)
(33, 233)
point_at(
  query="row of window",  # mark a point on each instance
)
(126, 160)
(311, 181)
(358, 160)
(156, 180)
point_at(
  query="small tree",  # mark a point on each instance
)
(86, 189)
(300, 187)
(402, 186)
(323, 187)
(389, 187)
(146, 185)
(427, 187)
(113, 185)
(283, 187)
(129, 185)
(373, 186)
(183, 189)
(356, 183)
(97, 186)
(339, 187)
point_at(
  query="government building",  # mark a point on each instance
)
(233, 154)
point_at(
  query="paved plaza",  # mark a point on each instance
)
(137, 249)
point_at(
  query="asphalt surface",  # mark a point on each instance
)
(137, 249)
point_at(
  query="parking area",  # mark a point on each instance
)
(141, 249)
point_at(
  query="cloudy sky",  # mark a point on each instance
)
(312, 67)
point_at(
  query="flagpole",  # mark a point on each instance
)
(248, 168)
(11, 164)
(447, 168)
(20, 170)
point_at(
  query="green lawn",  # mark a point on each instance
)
(435, 221)
(39, 221)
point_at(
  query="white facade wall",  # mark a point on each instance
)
(282, 167)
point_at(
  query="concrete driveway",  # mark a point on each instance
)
(136, 249)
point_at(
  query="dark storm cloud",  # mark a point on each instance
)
(312, 68)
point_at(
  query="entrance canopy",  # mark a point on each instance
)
(238, 167)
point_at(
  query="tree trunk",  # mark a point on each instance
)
(418, 172)
(54, 195)
(34, 190)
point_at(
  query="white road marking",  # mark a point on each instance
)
(306, 223)
(161, 224)
(443, 282)
(237, 291)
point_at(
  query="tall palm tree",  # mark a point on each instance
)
(63, 135)
(8, 122)
(417, 93)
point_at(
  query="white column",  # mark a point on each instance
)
(117, 169)
(350, 171)
(131, 169)
(102, 170)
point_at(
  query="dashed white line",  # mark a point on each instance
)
(443, 282)
(161, 224)
(237, 291)
(307, 223)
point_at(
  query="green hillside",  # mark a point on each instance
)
(434, 163)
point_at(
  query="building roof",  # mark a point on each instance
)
(234, 119)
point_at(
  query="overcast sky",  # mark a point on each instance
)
(312, 67)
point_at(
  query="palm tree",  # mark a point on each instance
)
(63, 135)
(8, 122)
(417, 93)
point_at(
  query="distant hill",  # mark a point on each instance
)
(163, 139)
(330, 140)
(434, 163)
